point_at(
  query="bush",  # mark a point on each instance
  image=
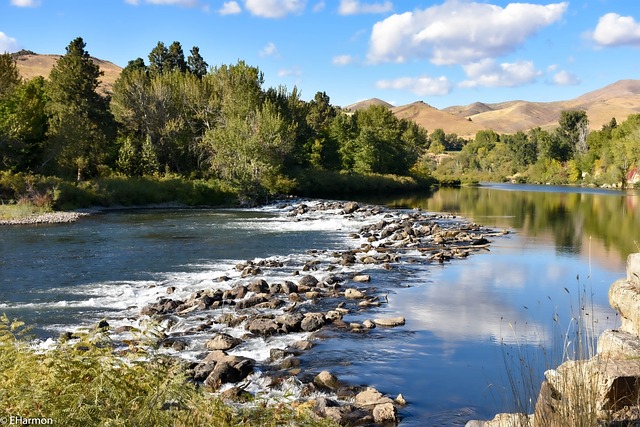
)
(322, 183)
(85, 383)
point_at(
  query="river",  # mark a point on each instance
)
(476, 328)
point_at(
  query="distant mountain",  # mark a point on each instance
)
(618, 100)
(31, 64)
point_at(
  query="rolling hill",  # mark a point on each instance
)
(31, 64)
(618, 100)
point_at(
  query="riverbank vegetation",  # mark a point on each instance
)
(174, 123)
(84, 382)
(569, 154)
(177, 120)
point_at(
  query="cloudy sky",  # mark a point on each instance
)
(443, 52)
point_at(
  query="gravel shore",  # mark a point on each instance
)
(47, 218)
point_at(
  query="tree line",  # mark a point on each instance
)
(176, 115)
(173, 115)
(568, 154)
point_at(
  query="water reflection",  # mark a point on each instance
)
(599, 225)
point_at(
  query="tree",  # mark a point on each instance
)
(196, 63)
(158, 58)
(9, 75)
(525, 151)
(80, 124)
(23, 126)
(573, 130)
(175, 58)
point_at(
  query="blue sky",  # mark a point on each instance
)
(445, 52)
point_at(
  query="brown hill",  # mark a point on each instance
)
(618, 100)
(31, 65)
(363, 105)
(431, 118)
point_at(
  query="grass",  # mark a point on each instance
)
(85, 382)
(21, 210)
(569, 394)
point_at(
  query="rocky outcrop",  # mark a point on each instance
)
(603, 390)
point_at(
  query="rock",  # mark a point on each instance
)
(368, 324)
(390, 322)
(506, 420)
(202, 370)
(308, 280)
(290, 322)
(350, 207)
(385, 413)
(312, 322)
(361, 278)
(258, 286)
(618, 344)
(290, 362)
(171, 289)
(261, 326)
(222, 342)
(400, 400)
(370, 397)
(251, 301)
(326, 379)
(353, 294)
(302, 345)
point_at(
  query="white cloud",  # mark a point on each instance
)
(342, 60)
(274, 8)
(617, 30)
(230, 8)
(269, 50)
(319, 6)
(491, 74)
(7, 44)
(459, 32)
(355, 7)
(421, 86)
(292, 72)
(26, 3)
(565, 78)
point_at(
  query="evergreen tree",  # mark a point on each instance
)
(196, 63)
(9, 74)
(158, 58)
(175, 58)
(80, 124)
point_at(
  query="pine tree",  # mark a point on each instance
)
(9, 74)
(80, 124)
(196, 63)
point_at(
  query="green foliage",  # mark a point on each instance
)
(83, 382)
(80, 124)
(23, 126)
(9, 74)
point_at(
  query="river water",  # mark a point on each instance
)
(476, 328)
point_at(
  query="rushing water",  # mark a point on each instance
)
(465, 319)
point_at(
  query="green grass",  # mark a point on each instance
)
(85, 383)
(21, 210)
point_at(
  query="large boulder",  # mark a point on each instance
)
(262, 326)
(312, 322)
(222, 342)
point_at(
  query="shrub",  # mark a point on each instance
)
(84, 383)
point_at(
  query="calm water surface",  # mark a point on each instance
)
(465, 319)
